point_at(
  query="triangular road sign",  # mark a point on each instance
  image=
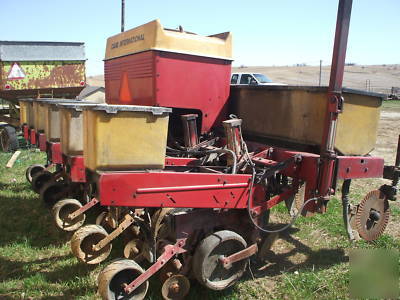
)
(16, 72)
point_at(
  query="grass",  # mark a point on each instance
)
(309, 261)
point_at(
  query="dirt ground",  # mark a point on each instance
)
(388, 131)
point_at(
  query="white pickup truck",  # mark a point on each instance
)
(252, 79)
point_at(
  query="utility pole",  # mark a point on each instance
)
(320, 71)
(122, 15)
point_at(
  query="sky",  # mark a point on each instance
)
(265, 32)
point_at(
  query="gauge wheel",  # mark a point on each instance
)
(52, 192)
(32, 171)
(116, 276)
(40, 179)
(84, 239)
(61, 211)
(207, 268)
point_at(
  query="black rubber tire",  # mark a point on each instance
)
(41, 179)
(52, 192)
(206, 263)
(32, 170)
(112, 277)
(8, 139)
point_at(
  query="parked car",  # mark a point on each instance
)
(252, 79)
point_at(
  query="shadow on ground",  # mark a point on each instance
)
(276, 263)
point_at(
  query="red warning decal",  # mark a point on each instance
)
(16, 72)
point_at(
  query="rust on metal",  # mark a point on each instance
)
(238, 256)
(121, 228)
(83, 209)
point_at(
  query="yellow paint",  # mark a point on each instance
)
(52, 122)
(23, 112)
(40, 116)
(297, 115)
(71, 131)
(45, 74)
(31, 114)
(152, 36)
(124, 141)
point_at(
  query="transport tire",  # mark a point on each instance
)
(8, 139)
(207, 268)
(40, 179)
(61, 211)
(32, 170)
(113, 277)
(84, 239)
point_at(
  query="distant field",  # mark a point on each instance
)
(380, 78)
(376, 78)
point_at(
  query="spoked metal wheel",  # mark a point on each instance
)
(53, 191)
(40, 179)
(61, 213)
(83, 242)
(372, 215)
(32, 171)
(208, 269)
(113, 279)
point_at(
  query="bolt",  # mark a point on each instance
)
(174, 288)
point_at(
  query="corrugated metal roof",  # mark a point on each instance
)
(38, 51)
(89, 90)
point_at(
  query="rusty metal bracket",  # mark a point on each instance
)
(83, 209)
(169, 252)
(238, 256)
(121, 228)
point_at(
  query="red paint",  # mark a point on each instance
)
(84, 208)
(75, 167)
(42, 142)
(351, 167)
(169, 252)
(54, 152)
(158, 78)
(181, 162)
(173, 189)
(33, 136)
(25, 130)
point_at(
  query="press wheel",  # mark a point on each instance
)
(207, 268)
(175, 287)
(61, 211)
(32, 170)
(40, 179)
(52, 192)
(116, 275)
(84, 239)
